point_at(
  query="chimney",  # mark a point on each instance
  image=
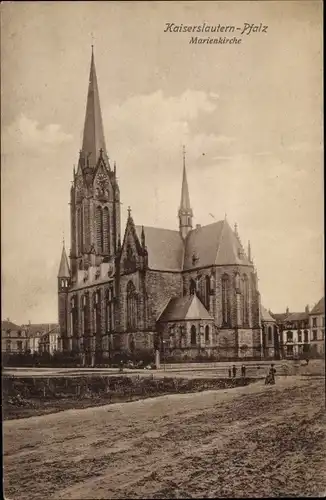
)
(198, 226)
(307, 309)
(287, 310)
(29, 322)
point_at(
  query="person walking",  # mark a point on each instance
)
(230, 373)
(243, 371)
(234, 371)
(272, 372)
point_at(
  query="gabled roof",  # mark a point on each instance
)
(64, 266)
(39, 328)
(279, 317)
(8, 325)
(319, 308)
(188, 308)
(93, 138)
(214, 244)
(164, 246)
(297, 316)
(265, 316)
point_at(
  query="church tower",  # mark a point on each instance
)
(63, 287)
(185, 212)
(95, 195)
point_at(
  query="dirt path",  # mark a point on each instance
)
(252, 441)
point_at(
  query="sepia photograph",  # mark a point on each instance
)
(162, 243)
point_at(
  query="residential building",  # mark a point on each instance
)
(35, 332)
(195, 288)
(317, 328)
(294, 333)
(50, 341)
(13, 338)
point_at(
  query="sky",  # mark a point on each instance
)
(249, 115)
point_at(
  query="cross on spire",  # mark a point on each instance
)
(129, 211)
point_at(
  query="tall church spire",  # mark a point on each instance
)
(93, 138)
(185, 211)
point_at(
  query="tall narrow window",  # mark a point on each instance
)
(99, 229)
(106, 230)
(131, 306)
(109, 310)
(245, 300)
(193, 335)
(80, 229)
(207, 334)
(192, 287)
(86, 318)
(226, 307)
(207, 291)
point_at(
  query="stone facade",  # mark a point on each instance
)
(113, 294)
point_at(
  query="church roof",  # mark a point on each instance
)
(164, 246)
(319, 307)
(214, 244)
(265, 316)
(64, 266)
(93, 138)
(188, 308)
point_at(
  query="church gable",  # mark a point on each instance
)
(131, 250)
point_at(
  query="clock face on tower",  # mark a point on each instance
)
(102, 185)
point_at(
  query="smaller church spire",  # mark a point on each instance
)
(185, 211)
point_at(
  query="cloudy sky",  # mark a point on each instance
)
(249, 114)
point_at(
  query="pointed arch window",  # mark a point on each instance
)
(109, 310)
(207, 334)
(132, 344)
(245, 300)
(74, 316)
(80, 229)
(99, 229)
(85, 314)
(106, 231)
(192, 287)
(131, 306)
(97, 312)
(226, 303)
(193, 335)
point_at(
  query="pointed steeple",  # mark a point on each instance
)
(64, 266)
(185, 211)
(249, 251)
(93, 138)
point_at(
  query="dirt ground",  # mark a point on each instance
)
(253, 441)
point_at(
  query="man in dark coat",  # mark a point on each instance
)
(234, 371)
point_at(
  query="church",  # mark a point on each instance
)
(189, 292)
